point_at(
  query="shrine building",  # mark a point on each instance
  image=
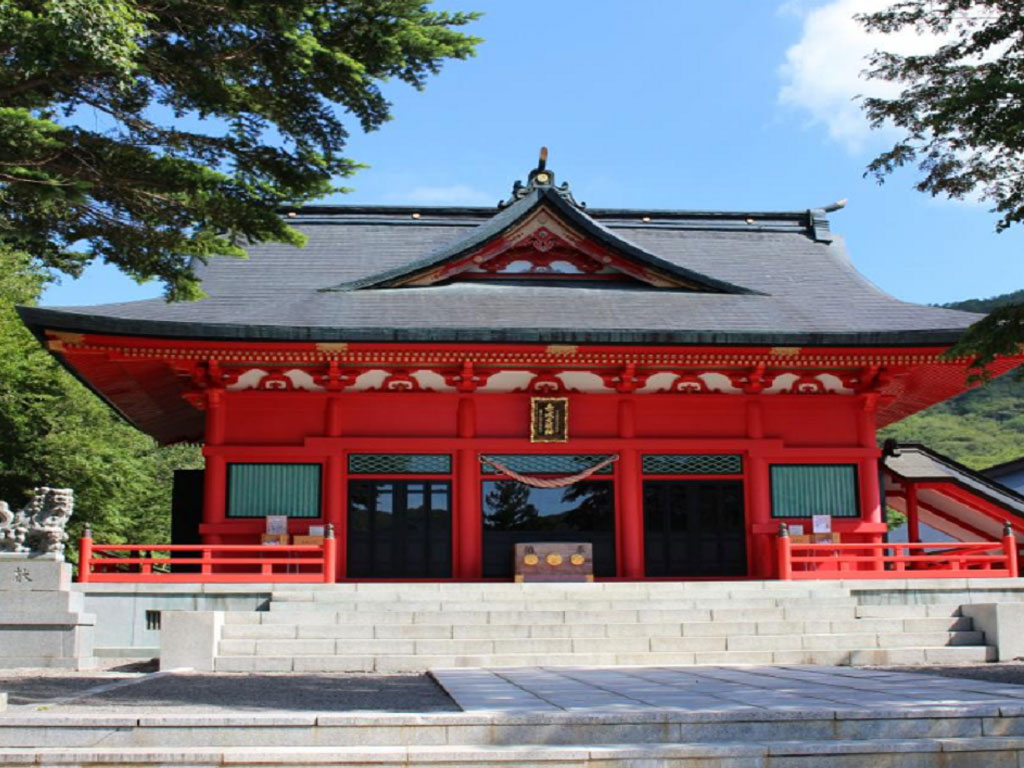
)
(440, 384)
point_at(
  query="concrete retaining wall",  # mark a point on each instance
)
(122, 627)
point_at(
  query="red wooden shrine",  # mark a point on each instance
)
(651, 326)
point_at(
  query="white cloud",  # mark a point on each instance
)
(822, 72)
(456, 194)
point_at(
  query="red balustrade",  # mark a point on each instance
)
(914, 560)
(207, 563)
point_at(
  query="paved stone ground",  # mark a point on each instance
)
(138, 693)
(714, 689)
(132, 687)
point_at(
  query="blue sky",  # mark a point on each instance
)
(732, 105)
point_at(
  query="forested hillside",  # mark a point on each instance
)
(56, 432)
(980, 428)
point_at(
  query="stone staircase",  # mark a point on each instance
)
(388, 627)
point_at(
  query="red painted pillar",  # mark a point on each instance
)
(215, 488)
(1010, 549)
(467, 550)
(913, 518)
(332, 420)
(785, 554)
(630, 497)
(335, 513)
(330, 547)
(759, 502)
(871, 506)
(759, 505)
(215, 491)
(871, 501)
(85, 555)
(632, 514)
(870, 490)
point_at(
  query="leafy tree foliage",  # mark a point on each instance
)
(962, 112)
(55, 432)
(97, 159)
(962, 105)
(507, 507)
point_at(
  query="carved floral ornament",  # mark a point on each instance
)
(545, 381)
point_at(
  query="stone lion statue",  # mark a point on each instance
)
(39, 527)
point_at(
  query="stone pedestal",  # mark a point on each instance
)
(41, 620)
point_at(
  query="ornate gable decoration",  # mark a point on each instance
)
(542, 233)
(543, 245)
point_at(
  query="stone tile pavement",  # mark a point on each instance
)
(797, 689)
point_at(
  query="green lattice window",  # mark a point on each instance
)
(399, 464)
(693, 464)
(803, 490)
(258, 490)
(547, 464)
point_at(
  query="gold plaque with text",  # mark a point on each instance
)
(549, 419)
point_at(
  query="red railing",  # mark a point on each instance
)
(206, 563)
(981, 559)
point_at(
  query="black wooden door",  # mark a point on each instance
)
(694, 528)
(399, 529)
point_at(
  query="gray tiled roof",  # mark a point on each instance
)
(805, 289)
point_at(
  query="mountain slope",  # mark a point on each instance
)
(979, 428)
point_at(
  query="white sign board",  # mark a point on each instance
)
(821, 523)
(277, 524)
(796, 530)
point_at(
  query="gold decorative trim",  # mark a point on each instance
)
(785, 351)
(332, 346)
(57, 339)
(562, 350)
(576, 357)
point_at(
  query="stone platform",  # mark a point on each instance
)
(42, 622)
(728, 717)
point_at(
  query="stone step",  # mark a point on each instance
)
(510, 602)
(965, 654)
(419, 662)
(893, 753)
(906, 611)
(183, 730)
(233, 631)
(588, 645)
(549, 605)
(440, 590)
(482, 615)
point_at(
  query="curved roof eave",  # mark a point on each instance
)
(39, 320)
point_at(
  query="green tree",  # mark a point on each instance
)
(507, 507)
(96, 96)
(961, 112)
(55, 432)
